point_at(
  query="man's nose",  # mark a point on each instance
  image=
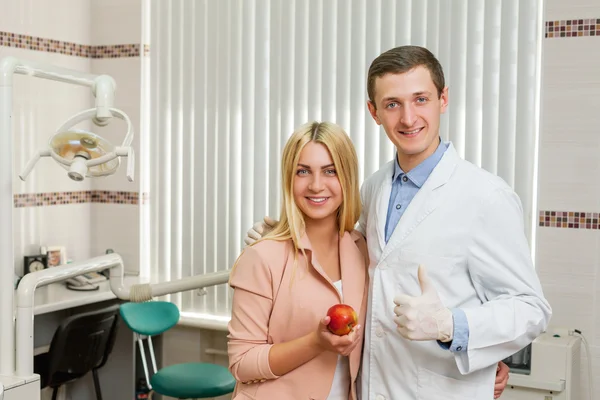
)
(408, 117)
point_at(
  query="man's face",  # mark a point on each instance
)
(408, 107)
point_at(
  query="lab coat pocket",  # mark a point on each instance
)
(433, 386)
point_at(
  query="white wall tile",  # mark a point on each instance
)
(116, 22)
(572, 9)
(567, 171)
(567, 264)
(116, 226)
(65, 20)
(567, 251)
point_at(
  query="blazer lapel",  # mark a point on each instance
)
(425, 201)
(352, 268)
(311, 259)
(352, 264)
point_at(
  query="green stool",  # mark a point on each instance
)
(182, 381)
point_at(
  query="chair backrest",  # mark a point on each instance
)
(81, 343)
(150, 318)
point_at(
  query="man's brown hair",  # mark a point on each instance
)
(400, 60)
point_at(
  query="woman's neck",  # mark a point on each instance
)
(324, 231)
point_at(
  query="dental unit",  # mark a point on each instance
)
(83, 154)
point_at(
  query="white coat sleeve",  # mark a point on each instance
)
(362, 220)
(514, 311)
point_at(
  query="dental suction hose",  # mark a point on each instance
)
(145, 292)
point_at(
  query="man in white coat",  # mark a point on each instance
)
(476, 298)
(452, 287)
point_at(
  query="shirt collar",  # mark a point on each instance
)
(419, 174)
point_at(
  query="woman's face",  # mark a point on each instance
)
(317, 189)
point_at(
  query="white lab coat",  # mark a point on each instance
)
(466, 226)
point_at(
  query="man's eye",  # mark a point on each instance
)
(392, 105)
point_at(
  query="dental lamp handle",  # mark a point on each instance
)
(130, 154)
(131, 164)
(32, 162)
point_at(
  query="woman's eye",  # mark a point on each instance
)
(301, 172)
(330, 171)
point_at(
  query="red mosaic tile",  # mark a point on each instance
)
(572, 28)
(89, 196)
(9, 39)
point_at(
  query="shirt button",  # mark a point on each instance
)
(459, 348)
(398, 206)
(379, 331)
(380, 397)
(404, 178)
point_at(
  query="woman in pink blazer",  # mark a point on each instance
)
(279, 343)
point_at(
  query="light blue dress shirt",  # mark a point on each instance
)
(404, 188)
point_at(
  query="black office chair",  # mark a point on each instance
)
(82, 343)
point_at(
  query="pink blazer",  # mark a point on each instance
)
(269, 307)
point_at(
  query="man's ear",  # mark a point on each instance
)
(373, 111)
(444, 100)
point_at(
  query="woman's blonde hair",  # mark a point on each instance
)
(291, 220)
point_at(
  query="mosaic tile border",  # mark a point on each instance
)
(569, 219)
(573, 28)
(9, 39)
(85, 196)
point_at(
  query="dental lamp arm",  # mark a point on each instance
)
(104, 91)
(32, 162)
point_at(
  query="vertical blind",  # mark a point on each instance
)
(229, 80)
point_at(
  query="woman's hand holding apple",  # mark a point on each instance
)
(343, 345)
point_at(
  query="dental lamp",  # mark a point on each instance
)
(85, 154)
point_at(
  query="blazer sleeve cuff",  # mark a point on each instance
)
(264, 369)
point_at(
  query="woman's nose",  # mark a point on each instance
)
(316, 185)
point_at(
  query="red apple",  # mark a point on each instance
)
(343, 319)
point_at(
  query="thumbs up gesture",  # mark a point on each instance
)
(423, 317)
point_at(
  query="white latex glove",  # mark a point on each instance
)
(423, 317)
(259, 229)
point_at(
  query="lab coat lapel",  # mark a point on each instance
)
(352, 264)
(425, 201)
(383, 199)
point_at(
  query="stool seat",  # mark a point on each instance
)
(193, 380)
